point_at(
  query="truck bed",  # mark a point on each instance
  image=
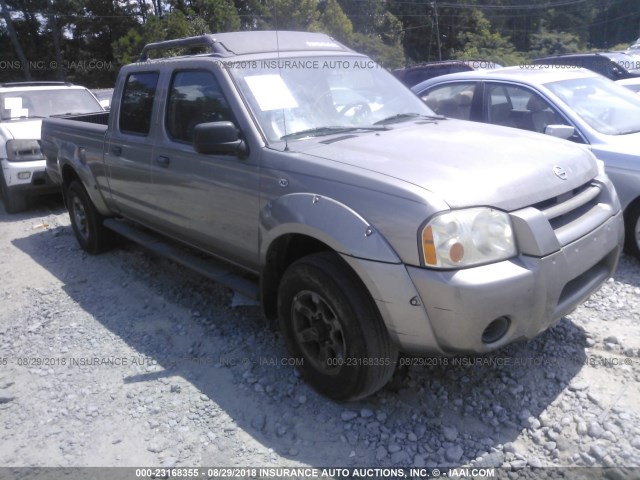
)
(99, 118)
(70, 136)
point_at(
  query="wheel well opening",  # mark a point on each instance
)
(68, 176)
(282, 253)
(634, 204)
(631, 214)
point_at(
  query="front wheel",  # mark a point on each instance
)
(86, 221)
(632, 229)
(332, 326)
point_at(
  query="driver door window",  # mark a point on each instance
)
(519, 107)
(195, 97)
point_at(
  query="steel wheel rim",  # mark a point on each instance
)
(318, 332)
(636, 232)
(80, 217)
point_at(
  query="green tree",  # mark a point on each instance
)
(172, 25)
(221, 15)
(389, 56)
(615, 21)
(377, 32)
(483, 43)
(13, 36)
(294, 15)
(552, 43)
(335, 22)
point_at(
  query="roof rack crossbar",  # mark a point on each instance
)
(200, 41)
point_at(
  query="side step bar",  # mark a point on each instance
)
(209, 267)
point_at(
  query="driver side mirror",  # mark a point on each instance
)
(560, 131)
(220, 138)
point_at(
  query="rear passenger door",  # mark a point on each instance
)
(128, 147)
(209, 201)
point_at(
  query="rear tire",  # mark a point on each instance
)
(14, 202)
(632, 231)
(331, 323)
(86, 221)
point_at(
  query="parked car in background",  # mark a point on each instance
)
(483, 64)
(613, 65)
(413, 75)
(104, 96)
(576, 104)
(632, 84)
(23, 105)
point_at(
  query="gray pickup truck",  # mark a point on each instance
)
(364, 222)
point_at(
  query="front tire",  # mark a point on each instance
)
(632, 231)
(331, 323)
(86, 221)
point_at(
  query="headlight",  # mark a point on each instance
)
(463, 238)
(24, 150)
(601, 170)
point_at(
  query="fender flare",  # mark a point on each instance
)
(326, 220)
(71, 156)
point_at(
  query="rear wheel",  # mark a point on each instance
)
(332, 325)
(14, 202)
(632, 228)
(86, 221)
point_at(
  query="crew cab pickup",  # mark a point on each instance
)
(23, 105)
(364, 222)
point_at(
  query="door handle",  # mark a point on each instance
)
(162, 161)
(116, 150)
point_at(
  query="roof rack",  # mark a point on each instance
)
(200, 41)
(34, 84)
(230, 44)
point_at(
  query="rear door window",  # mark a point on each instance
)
(451, 100)
(137, 103)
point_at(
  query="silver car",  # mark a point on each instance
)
(566, 102)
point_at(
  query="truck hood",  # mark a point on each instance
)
(21, 129)
(464, 163)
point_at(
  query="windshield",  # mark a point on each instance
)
(605, 106)
(27, 104)
(304, 97)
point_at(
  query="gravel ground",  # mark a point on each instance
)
(125, 359)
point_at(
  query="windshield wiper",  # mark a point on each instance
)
(322, 131)
(401, 117)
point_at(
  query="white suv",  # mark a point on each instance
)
(23, 105)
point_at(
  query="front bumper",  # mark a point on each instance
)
(428, 311)
(532, 293)
(35, 176)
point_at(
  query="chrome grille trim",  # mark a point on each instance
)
(573, 203)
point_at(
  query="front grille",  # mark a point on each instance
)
(575, 213)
